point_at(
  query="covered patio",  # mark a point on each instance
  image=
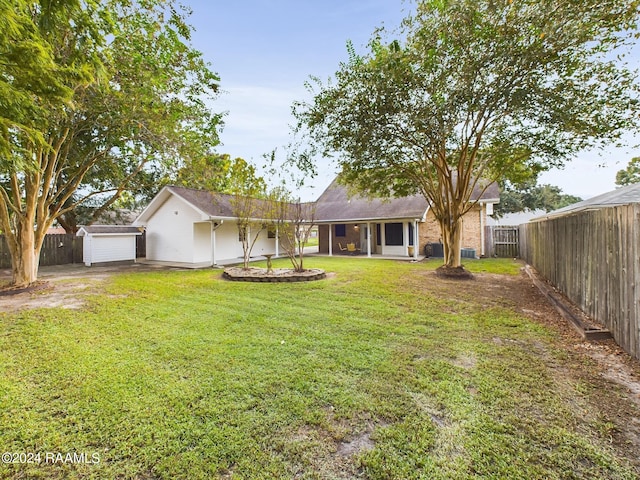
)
(354, 225)
(390, 238)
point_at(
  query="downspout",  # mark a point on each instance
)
(424, 220)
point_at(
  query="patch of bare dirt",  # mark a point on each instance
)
(63, 286)
(357, 444)
(68, 294)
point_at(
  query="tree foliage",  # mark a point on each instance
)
(476, 91)
(630, 174)
(531, 196)
(122, 99)
(220, 173)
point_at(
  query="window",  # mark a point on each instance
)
(341, 230)
(378, 235)
(393, 234)
(271, 230)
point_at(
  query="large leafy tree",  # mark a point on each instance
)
(30, 78)
(476, 91)
(219, 173)
(125, 100)
(530, 196)
(630, 174)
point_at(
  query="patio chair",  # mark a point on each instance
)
(342, 249)
(352, 248)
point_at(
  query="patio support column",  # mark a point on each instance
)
(330, 240)
(369, 240)
(482, 208)
(416, 244)
(277, 242)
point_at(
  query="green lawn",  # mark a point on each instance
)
(312, 242)
(368, 373)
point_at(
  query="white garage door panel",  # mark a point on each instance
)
(113, 249)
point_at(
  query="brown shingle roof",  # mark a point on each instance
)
(335, 204)
(213, 204)
(220, 204)
(110, 229)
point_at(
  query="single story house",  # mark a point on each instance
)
(197, 228)
(393, 227)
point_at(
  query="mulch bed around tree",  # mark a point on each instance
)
(255, 274)
(454, 273)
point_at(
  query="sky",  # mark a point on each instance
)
(265, 50)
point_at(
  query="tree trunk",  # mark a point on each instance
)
(68, 222)
(452, 242)
(25, 258)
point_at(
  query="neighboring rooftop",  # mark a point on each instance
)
(620, 196)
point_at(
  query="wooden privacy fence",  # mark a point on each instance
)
(57, 249)
(593, 258)
(502, 241)
(61, 249)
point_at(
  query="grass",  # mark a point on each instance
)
(183, 375)
(312, 242)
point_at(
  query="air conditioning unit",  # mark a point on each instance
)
(468, 253)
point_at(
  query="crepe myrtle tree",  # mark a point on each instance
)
(249, 204)
(473, 92)
(294, 221)
(94, 95)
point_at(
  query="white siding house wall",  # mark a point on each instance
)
(263, 244)
(202, 242)
(228, 245)
(87, 248)
(170, 232)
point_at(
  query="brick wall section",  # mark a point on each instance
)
(429, 231)
(472, 230)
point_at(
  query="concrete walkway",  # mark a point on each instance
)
(376, 256)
